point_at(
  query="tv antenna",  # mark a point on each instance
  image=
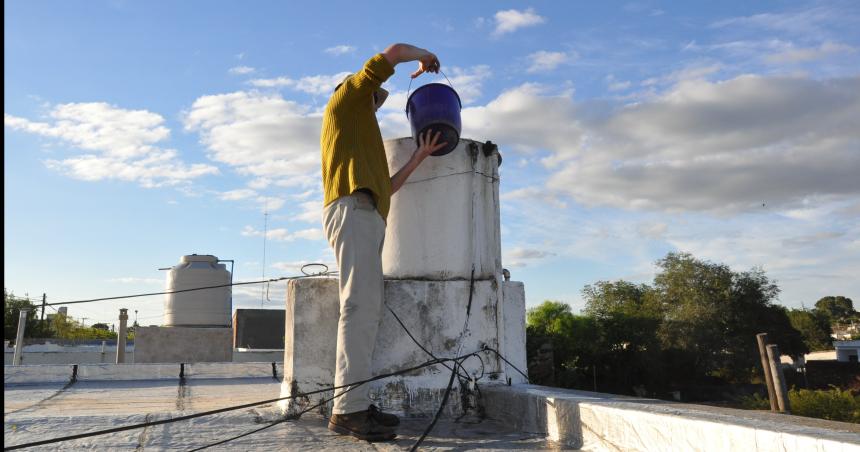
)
(265, 233)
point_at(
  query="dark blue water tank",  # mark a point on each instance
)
(435, 106)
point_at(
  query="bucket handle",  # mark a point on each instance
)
(408, 90)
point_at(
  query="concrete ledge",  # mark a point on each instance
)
(595, 421)
(35, 374)
(232, 370)
(98, 372)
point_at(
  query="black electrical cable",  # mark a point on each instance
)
(324, 401)
(262, 281)
(424, 349)
(173, 291)
(231, 408)
(486, 347)
(454, 369)
(276, 422)
(438, 413)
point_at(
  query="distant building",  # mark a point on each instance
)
(847, 351)
(845, 332)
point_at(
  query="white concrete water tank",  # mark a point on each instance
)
(204, 308)
(445, 218)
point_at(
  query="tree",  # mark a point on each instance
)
(605, 298)
(712, 314)
(696, 322)
(814, 327)
(573, 339)
(65, 327)
(628, 317)
(837, 309)
(12, 305)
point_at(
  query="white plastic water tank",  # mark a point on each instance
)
(445, 219)
(208, 307)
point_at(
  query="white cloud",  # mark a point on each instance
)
(320, 84)
(261, 135)
(510, 20)
(311, 211)
(723, 146)
(260, 183)
(313, 84)
(120, 144)
(236, 195)
(809, 259)
(527, 118)
(809, 22)
(241, 70)
(802, 54)
(535, 194)
(702, 146)
(272, 82)
(284, 235)
(468, 82)
(653, 230)
(521, 257)
(270, 203)
(340, 50)
(616, 85)
(545, 61)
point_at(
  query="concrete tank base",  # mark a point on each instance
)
(434, 312)
(155, 344)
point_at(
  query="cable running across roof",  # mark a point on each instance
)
(455, 371)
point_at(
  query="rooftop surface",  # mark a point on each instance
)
(40, 403)
(41, 411)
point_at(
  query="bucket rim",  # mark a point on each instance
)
(409, 99)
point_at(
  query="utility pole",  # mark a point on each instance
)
(778, 379)
(120, 339)
(761, 338)
(44, 297)
(265, 233)
(19, 341)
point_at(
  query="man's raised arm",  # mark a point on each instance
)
(402, 53)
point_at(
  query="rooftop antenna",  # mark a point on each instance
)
(265, 233)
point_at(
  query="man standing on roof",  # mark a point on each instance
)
(358, 189)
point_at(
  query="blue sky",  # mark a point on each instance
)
(136, 132)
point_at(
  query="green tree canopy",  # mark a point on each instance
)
(814, 327)
(605, 298)
(837, 309)
(12, 305)
(714, 313)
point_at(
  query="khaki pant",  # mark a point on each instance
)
(356, 231)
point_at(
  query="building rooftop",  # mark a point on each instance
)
(35, 412)
(41, 403)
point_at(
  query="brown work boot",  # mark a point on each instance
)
(361, 425)
(388, 420)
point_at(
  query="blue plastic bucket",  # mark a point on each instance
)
(435, 106)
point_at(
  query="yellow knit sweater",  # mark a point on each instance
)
(353, 156)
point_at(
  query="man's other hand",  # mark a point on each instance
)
(427, 146)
